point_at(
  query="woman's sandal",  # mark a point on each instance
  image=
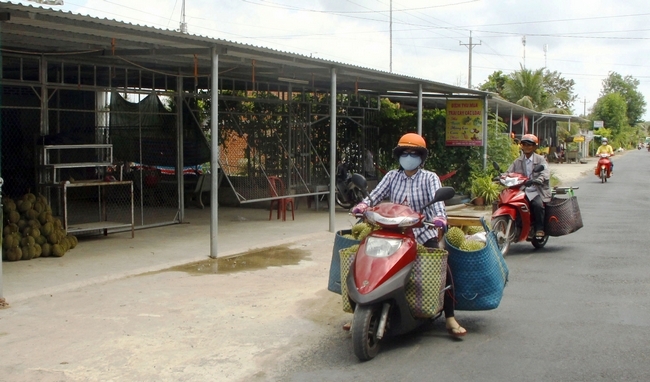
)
(456, 331)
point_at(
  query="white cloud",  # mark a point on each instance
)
(585, 40)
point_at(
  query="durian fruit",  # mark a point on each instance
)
(430, 251)
(350, 250)
(30, 231)
(455, 236)
(365, 232)
(357, 228)
(471, 245)
(472, 229)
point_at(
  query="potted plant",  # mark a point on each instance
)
(484, 189)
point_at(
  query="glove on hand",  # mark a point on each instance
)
(359, 208)
(439, 222)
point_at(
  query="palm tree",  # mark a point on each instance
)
(525, 87)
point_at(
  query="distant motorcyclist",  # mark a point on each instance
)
(606, 148)
(538, 189)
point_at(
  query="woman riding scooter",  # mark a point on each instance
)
(413, 186)
(538, 189)
(606, 148)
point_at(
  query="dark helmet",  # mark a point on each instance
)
(411, 141)
(529, 138)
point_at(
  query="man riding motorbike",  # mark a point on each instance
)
(605, 148)
(414, 186)
(538, 189)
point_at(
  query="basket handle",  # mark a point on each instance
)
(485, 226)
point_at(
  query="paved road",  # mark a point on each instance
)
(578, 310)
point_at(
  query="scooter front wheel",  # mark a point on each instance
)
(364, 331)
(500, 227)
(603, 175)
(342, 203)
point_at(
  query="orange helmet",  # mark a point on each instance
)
(411, 141)
(530, 138)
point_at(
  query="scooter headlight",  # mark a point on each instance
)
(381, 247)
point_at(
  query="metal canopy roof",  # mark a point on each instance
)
(58, 34)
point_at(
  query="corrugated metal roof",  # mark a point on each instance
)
(39, 30)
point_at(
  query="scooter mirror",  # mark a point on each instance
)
(496, 166)
(443, 193)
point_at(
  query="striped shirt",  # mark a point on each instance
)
(415, 191)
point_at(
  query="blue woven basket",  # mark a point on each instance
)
(479, 277)
(340, 242)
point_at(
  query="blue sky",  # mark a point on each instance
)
(583, 41)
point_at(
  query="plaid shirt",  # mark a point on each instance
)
(415, 191)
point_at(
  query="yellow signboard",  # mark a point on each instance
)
(579, 138)
(464, 123)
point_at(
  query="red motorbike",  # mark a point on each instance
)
(512, 220)
(380, 272)
(604, 168)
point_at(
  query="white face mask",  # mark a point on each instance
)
(410, 163)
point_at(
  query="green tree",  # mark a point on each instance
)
(494, 83)
(561, 90)
(539, 89)
(627, 87)
(612, 110)
(526, 87)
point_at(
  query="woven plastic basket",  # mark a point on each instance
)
(347, 258)
(340, 242)
(562, 216)
(426, 283)
(479, 277)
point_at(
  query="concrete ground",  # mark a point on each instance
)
(117, 308)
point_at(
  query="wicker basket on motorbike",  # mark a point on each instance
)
(562, 216)
(479, 277)
(347, 258)
(343, 239)
(425, 288)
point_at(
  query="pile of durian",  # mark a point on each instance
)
(458, 237)
(30, 230)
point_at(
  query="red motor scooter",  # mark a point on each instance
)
(512, 220)
(380, 271)
(604, 168)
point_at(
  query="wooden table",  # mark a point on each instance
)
(467, 215)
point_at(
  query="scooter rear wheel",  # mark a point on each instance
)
(499, 226)
(364, 331)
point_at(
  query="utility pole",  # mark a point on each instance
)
(584, 111)
(183, 23)
(391, 36)
(523, 42)
(545, 50)
(470, 46)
